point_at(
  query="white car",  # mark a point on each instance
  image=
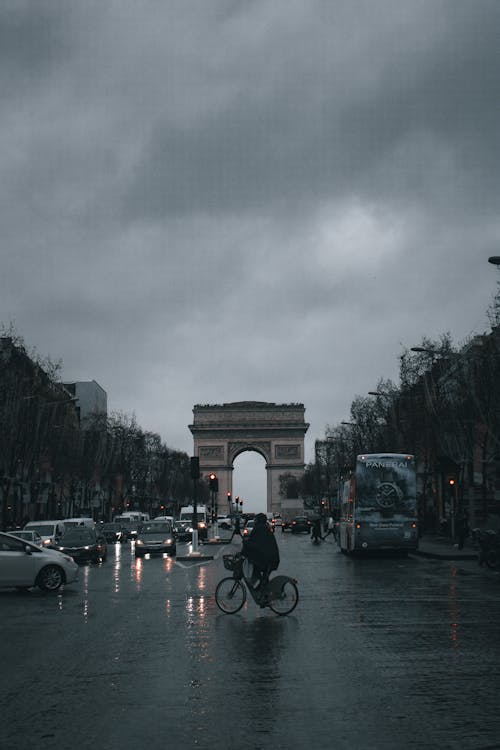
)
(224, 522)
(29, 535)
(23, 565)
(50, 531)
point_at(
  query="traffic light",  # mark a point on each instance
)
(213, 482)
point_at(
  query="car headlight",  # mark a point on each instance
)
(139, 541)
(46, 542)
(167, 541)
(201, 525)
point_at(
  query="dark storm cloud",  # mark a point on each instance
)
(320, 130)
(34, 38)
(215, 201)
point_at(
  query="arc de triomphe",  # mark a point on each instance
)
(222, 431)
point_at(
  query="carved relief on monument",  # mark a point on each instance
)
(287, 451)
(211, 451)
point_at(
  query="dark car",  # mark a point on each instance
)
(113, 532)
(182, 531)
(155, 536)
(83, 544)
(301, 524)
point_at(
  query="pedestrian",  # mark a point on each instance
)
(236, 529)
(261, 549)
(462, 528)
(316, 530)
(330, 527)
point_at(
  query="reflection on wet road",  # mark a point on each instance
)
(380, 653)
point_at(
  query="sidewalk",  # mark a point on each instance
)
(442, 547)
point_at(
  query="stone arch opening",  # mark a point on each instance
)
(222, 432)
(250, 481)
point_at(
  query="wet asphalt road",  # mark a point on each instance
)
(380, 653)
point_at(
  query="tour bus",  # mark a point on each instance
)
(378, 507)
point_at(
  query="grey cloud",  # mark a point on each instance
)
(308, 137)
(205, 202)
(33, 40)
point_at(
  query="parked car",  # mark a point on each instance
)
(301, 524)
(50, 531)
(24, 565)
(83, 544)
(155, 536)
(182, 531)
(29, 535)
(113, 532)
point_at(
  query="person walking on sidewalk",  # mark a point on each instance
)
(330, 528)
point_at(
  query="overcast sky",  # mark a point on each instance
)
(225, 200)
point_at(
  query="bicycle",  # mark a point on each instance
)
(280, 593)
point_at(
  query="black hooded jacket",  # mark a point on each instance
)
(260, 547)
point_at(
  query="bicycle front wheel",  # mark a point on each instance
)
(287, 600)
(230, 595)
(491, 559)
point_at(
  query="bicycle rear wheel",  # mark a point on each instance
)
(287, 600)
(230, 595)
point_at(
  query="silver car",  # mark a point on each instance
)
(24, 565)
(29, 535)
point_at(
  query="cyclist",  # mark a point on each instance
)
(261, 549)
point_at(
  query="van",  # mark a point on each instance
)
(130, 525)
(135, 515)
(186, 515)
(50, 531)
